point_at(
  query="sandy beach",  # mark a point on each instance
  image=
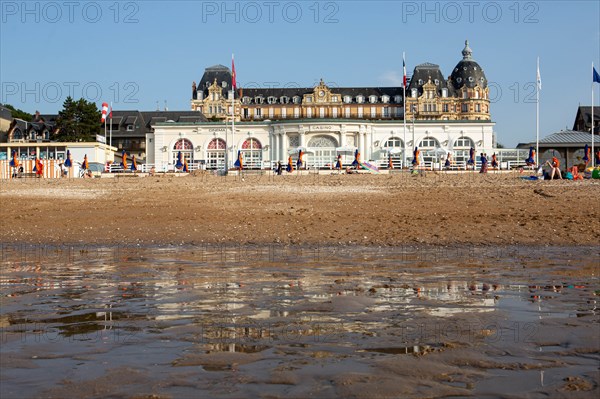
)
(438, 209)
(299, 286)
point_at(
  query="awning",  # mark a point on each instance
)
(347, 149)
(305, 150)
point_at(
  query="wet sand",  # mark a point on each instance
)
(438, 209)
(280, 322)
(300, 286)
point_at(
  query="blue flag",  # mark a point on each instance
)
(596, 76)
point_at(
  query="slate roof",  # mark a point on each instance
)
(353, 92)
(570, 137)
(5, 113)
(142, 121)
(583, 118)
(421, 75)
(468, 72)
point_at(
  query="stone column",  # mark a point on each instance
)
(275, 146)
(360, 144)
(284, 146)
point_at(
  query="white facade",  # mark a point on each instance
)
(262, 143)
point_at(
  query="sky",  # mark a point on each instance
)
(140, 54)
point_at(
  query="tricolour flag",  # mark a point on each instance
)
(404, 71)
(595, 75)
(104, 112)
(539, 78)
(233, 81)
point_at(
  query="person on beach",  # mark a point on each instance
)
(494, 161)
(554, 168)
(279, 168)
(448, 162)
(63, 170)
(484, 163)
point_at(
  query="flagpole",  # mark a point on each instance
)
(404, 107)
(592, 130)
(537, 114)
(110, 142)
(234, 84)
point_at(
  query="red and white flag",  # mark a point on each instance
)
(110, 113)
(104, 112)
(404, 70)
(233, 82)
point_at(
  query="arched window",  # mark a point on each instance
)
(252, 153)
(464, 142)
(215, 154)
(393, 142)
(429, 142)
(187, 151)
(322, 151)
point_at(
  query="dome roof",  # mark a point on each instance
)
(468, 72)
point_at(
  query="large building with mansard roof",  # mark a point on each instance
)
(271, 124)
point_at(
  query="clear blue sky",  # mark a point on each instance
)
(135, 53)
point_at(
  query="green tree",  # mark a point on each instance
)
(78, 121)
(18, 114)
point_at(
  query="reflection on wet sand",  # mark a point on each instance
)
(300, 321)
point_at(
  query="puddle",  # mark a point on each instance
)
(274, 320)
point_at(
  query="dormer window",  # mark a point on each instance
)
(437, 82)
(259, 100)
(398, 99)
(207, 84)
(360, 99)
(413, 93)
(458, 80)
(309, 99)
(284, 99)
(271, 100)
(420, 82)
(246, 100)
(372, 99)
(334, 99)
(347, 99)
(224, 84)
(444, 92)
(471, 79)
(385, 99)
(296, 99)
(130, 128)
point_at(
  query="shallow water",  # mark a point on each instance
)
(275, 321)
